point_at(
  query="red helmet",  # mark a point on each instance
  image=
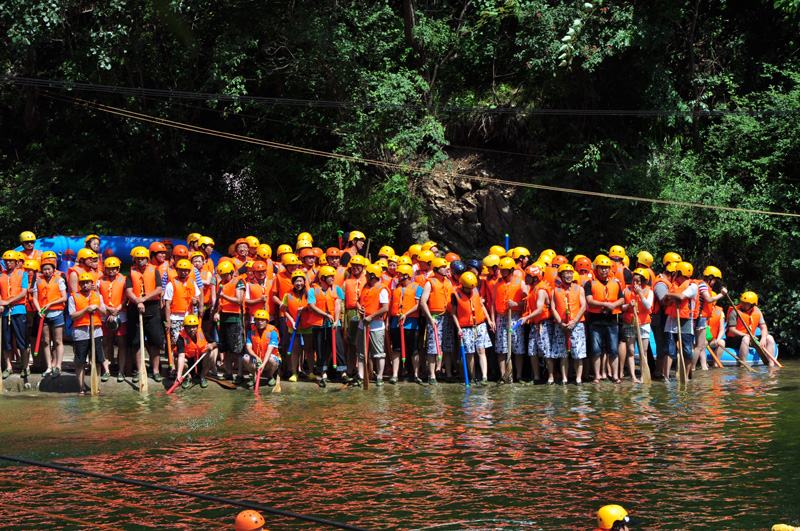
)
(306, 251)
(583, 263)
(180, 251)
(249, 520)
(157, 247)
(317, 251)
(259, 265)
(334, 252)
(559, 259)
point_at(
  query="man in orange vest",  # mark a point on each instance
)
(353, 285)
(181, 297)
(661, 286)
(373, 304)
(50, 298)
(639, 299)
(568, 307)
(261, 348)
(143, 290)
(112, 290)
(205, 245)
(229, 316)
(192, 344)
(471, 317)
(86, 309)
(404, 315)
(334, 257)
(540, 339)
(28, 240)
(87, 263)
(325, 301)
(508, 297)
(748, 312)
(681, 301)
(604, 299)
(355, 245)
(14, 286)
(282, 285)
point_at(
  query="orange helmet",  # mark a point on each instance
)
(583, 263)
(452, 257)
(317, 251)
(180, 251)
(333, 252)
(534, 271)
(157, 247)
(259, 265)
(249, 520)
(559, 259)
(306, 251)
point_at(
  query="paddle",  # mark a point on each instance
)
(39, 334)
(643, 364)
(509, 366)
(94, 378)
(761, 350)
(333, 346)
(143, 389)
(366, 355)
(294, 334)
(435, 328)
(222, 383)
(182, 377)
(682, 376)
(464, 364)
(168, 329)
(402, 344)
(2, 385)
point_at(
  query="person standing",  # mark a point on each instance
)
(50, 300)
(540, 340)
(508, 298)
(115, 326)
(471, 317)
(604, 300)
(86, 309)
(568, 308)
(228, 315)
(681, 300)
(325, 302)
(639, 299)
(404, 318)
(143, 291)
(434, 299)
(13, 293)
(373, 304)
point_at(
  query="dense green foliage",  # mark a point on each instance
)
(417, 77)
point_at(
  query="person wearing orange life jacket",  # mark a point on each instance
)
(281, 285)
(230, 296)
(111, 288)
(294, 306)
(179, 252)
(241, 252)
(746, 315)
(84, 258)
(391, 271)
(262, 348)
(353, 285)
(557, 261)
(638, 298)
(681, 301)
(404, 315)
(715, 334)
(306, 255)
(373, 304)
(434, 303)
(619, 270)
(413, 253)
(644, 260)
(431, 246)
(712, 278)
(568, 308)
(584, 268)
(205, 245)
(509, 294)
(49, 300)
(181, 297)
(143, 291)
(190, 345)
(522, 256)
(86, 309)
(551, 270)
(252, 247)
(192, 241)
(334, 256)
(158, 257)
(488, 281)
(661, 286)
(264, 253)
(325, 307)
(28, 240)
(257, 291)
(356, 242)
(31, 268)
(208, 287)
(470, 318)
(604, 300)
(423, 266)
(14, 285)
(537, 303)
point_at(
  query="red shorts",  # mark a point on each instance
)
(119, 332)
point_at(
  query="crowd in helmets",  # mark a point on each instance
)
(342, 314)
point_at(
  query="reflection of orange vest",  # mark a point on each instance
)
(193, 349)
(437, 299)
(260, 340)
(48, 291)
(751, 318)
(715, 321)
(608, 292)
(82, 302)
(112, 291)
(641, 311)
(229, 289)
(145, 282)
(469, 310)
(370, 298)
(11, 285)
(568, 301)
(325, 301)
(533, 298)
(682, 308)
(404, 298)
(182, 294)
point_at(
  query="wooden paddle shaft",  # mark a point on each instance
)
(366, 355)
(682, 376)
(643, 363)
(2, 385)
(143, 389)
(95, 385)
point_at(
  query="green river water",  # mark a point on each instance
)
(722, 454)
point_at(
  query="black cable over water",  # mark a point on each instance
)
(216, 499)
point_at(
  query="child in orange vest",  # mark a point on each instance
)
(86, 310)
(50, 297)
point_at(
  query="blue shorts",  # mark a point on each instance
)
(16, 325)
(604, 338)
(57, 321)
(672, 345)
(700, 323)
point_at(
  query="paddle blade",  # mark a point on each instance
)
(174, 386)
(277, 388)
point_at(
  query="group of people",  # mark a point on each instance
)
(337, 314)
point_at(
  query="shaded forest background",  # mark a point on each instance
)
(449, 85)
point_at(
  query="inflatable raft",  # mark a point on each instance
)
(727, 359)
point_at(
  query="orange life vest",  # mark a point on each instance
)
(684, 308)
(112, 291)
(11, 286)
(505, 291)
(145, 282)
(657, 306)
(568, 301)
(608, 292)
(81, 302)
(293, 305)
(182, 294)
(437, 299)
(403, 298)
(229, 289)
(370, 298)
(641, 311)
(703, 308)
(469, 310)
(325, 301)
(256, 291)
(208, 287)
(618, 270)
(752, 318)
(191, 348)
(715, 321)
(260, 340)
(352, 292)
(48, 291)
(281, 286)
(533, 298)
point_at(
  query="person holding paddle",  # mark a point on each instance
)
(50, 298)
(540, 339)
(434, 301)
(325, 313)
(508, 299)
(404, 318)
(604, 299)
(373, 304)
(86, 310)
(681, 300)
(143, 290)
(747, 316)
(639, 299)
(470, 317)
(293, 306)
(712, 279)
(13, 292)
(191, 345)
(568, 308)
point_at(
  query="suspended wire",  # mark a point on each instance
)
(207, 497)
(405, 167)
(334, 104)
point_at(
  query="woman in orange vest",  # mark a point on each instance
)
(747, 312)
(86, 309)
(49, 300)
(353, 285)
(228, 314)
(262, 347)
(638, 298)
(508, 297)
(373, 304)
(281, 285)
(299, 317)
(87, 263)
(143, 291)
(568, 307)
(716, 331)
(13, 292)
(111, 287)
(540, 339)
(470, 319)
(604, 301)
(434, 302)
(334, 257)
(404, 315)
(355, 244)
(325, 311)
(192, 344)
(181, 297)
(712, 279)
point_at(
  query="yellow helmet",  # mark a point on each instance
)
(21, 256)
(546, 258)
(374, 269)
(617, 251)
(749, 297)
(323, 260)
(298, 273)
(305, 236)
(261, 314)
(195, 254)
(225, 268)
(404, 260)
(386, 251)
(438, 262)
(31, 265)
(405, 269)
(26, 236)
(428, 245)
(491, 260)
(507, 263)
(10, 255)
(468, 280)
(711, 271)
(264, 251)
(252, 241)
(191, 320)
(565, 267)
(518, 252)
(685, 269)
(357, 260)
(111, 262)
(497, 250)
(672, 267)
(626, 260)
(183, 263)
(642, 272)
(414, 250)
(382, 262)
(303, 244)
(578, 257)
(283, 249)
(671, 256)
(550, 252)
(139, 252)
(326, 271)
(86, 254)
(85, 277)
(425, 256)
(90, 237)
(290, 259)
(608, 515)
(645, 258)
(193, 237)
(356, 235)
(602, 260)
(394, 258)
(202, 241)
(49, 255)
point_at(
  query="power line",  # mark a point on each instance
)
(405, 167)
(334, 104)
